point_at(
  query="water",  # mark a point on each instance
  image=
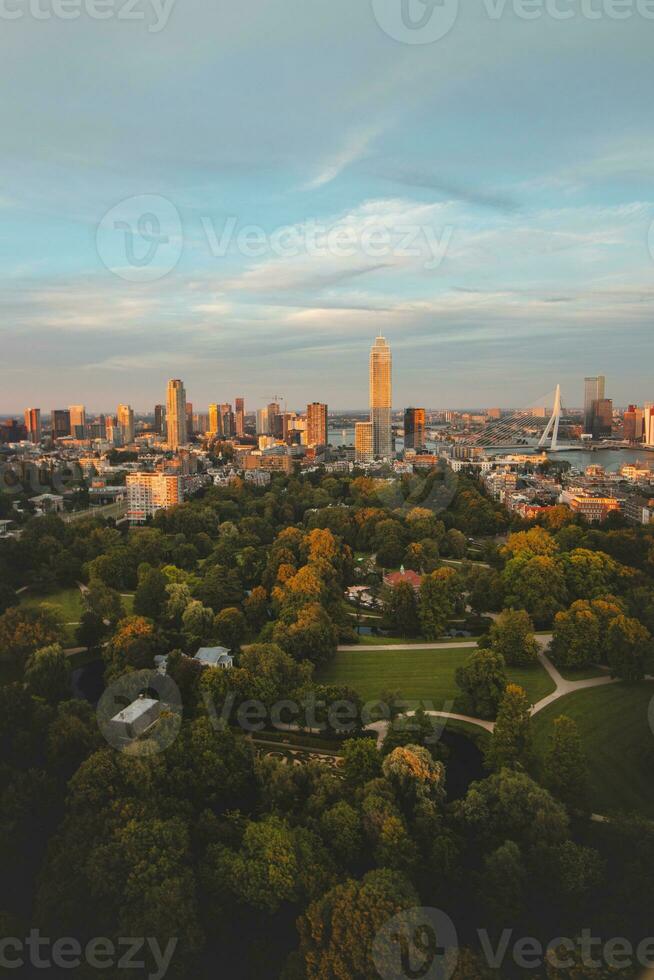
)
(610, 459)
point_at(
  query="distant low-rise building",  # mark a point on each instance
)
(594, 509)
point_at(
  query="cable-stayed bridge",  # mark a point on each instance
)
(521, 429)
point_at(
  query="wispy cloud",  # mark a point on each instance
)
(355, 147)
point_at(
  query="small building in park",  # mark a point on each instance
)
(408, 575)
(136, 718)
(215, 657)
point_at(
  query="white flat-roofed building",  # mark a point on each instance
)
(136, 718)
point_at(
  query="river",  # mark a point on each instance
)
(610, 459)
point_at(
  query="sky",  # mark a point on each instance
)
(244, 195)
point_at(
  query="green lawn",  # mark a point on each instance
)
(426, 675)
(67, 601)
(618, 742)
(581, 674)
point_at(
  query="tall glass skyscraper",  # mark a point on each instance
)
(380, 397)
(176, 434)
(593, 392)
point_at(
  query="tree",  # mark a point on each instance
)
(535, 541)
(90, 630)
(576, 639)
(589, 574)
(132, 646)
(510, 805)
(197, 624)
(308, 635)
(24, 629)
(512, 636)
(536, 584)
(511, 741)
(629, 648)
(104, 602)
(401, 609)
(47, 675)
(414, 775)
(484, 590)
(483, 682)
(439, 592)
(220, 587)
(338, 930)
(230, 628)
(151, 596)
(275, 864)
(256, 608)
(503, 885)
(341, 831)
(565, 770)
(361, 761)
(455, 543)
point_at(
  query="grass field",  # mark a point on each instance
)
(67, 601)
(426, 675)
(618, 742)
(582, 674)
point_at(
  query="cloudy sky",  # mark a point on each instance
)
(243, 194)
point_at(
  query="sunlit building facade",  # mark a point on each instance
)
(380, 397)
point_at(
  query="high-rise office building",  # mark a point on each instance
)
(125, 419)
(380, 397)
(262, 422)
(317, 424)
(160, 419)
(60, 423)
(239, 417)
(189, 421)
(33, 424)
(77, 421)
(176, 432)
(648, 424)
(602, 418)
(215, 420)
(414, 428)
(633, 424)
(363, 442)
(594, 389)
(227, 417)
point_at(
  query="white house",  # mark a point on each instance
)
(215, 657)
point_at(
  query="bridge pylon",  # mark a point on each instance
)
(552, 428)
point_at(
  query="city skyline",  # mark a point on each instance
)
(542, 229)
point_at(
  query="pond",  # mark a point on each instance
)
(464, 764)
(88, 681)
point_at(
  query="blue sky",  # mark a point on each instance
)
(524, 148)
